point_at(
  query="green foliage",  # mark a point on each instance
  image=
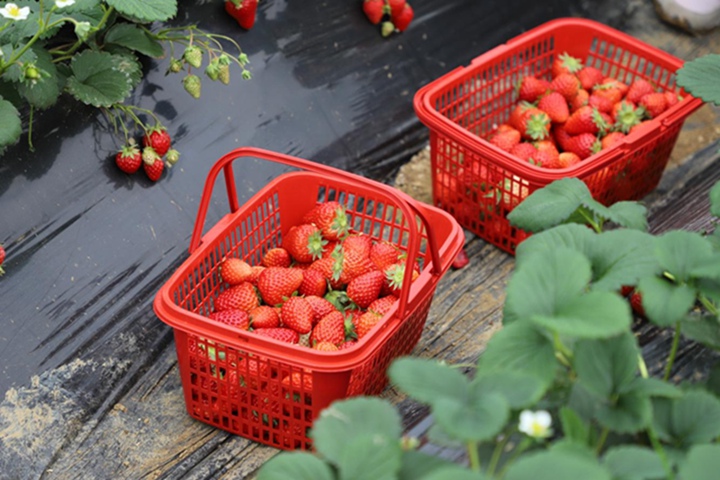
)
(562, 390)
(100, 66)
(699, 77)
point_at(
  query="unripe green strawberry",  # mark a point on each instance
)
(386, 29)
(212, 70)
(192, 85)
(172, 156)
(224, 74)
(175, 66)
(193, 56)
(149, 155)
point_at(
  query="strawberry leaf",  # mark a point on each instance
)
(629, 215)
(416, 464)
(574, 236)
(622, 257)
(130, 36)
(45, 91)
(296, 465)
(520, 347)
(680, 253)
(428, 380)
(574, 428)
(715, 199)
(518, 388)
(628, 413)
(699, 77)
(605, 367)
(455, 472)
(556, 465)
(370, 457)
(95, 79)
(694, 418)
(345, 420)
(477, 418)
(702, 463)
(550, 205)
(10, 124)
(146, 11)
(702, 329)
(665, 303)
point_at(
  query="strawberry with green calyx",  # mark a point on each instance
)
(565, 63)
(583, 145)
(339, 300)
(333, 328)
(213, 70)
(276, 284)
(2, 259)
(158, 138)
(402, 20)
(383, 254)
(243, 11)
(320, 306)
(152, 164)
(304, 242)
(555, 106)
(581, 99)
(589, 77)
(395, 6)
(314, 284)
(129, 159)
(534, 124)
(654, 104)
(330, 217)
(638, 89)
(171, 157)
(193, 56)
(587, 120)
(505, 137)
(626, 115)
(192, 85)
(374, 10)
(238, 297)
(224, 74)
(297, 314)
(263, 316)
(568, 159)
(672, 98)
(566, 84)
(611, 139)
(382, 305)
(366, 322)
(234, 271)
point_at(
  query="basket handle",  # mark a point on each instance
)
(406, 204)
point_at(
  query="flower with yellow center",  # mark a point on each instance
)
(13, 12)
(535, 424)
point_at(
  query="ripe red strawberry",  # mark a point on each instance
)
(314, 283)
(330, 218)
(276, 257)
(603, 103)
(325, 347)
(636, 303)
(607, 93)
(524, 151)
(129, 159)
(158, 138)
(383, 304)
(556, 107)
(287, 335)
(638, 89)
(364, 289)
(355, 257)
(589, 77)
(561, 136)
(568, 159)
(320, 306)
(365, 323)
(264, 316)
(276, 284)
(304, 242)
(152, 164)
(611, 139)
(331, 268)
(609, 82)
(517, 114)
(580, 100)
(256, 271)
(547, 146)
(396, 6)
(460, 261)
(374, 10)
(296, 313)
(565, 63)
(331, 328)
(394, 277)
(672, 98)
(384, 254)
(626, 115)
(2, 259)
(583, 145)
(567, 85)
(234, 271)
(586, 120)
(534, 124)
(238, 297)
(348, 344)
(654, 104)
(641, 127)
(505, 137)
(234, 318)
(545, 159)
(402, 20)
(243, 11)
(531, 88)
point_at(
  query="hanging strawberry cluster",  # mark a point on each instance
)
(391, 15)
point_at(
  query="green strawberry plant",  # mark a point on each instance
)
(92, 51)
(562, 391)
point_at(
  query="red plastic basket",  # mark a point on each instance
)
(269, 391)
(479, 183)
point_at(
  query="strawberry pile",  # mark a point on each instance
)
(391, 15)
(325, 287)
(156, 145)
(561, 121)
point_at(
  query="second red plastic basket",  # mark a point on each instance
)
(479, 183)
(270, 391)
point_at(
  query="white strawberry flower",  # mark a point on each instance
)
(13, 12)
(64, 3)
(535, 424)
